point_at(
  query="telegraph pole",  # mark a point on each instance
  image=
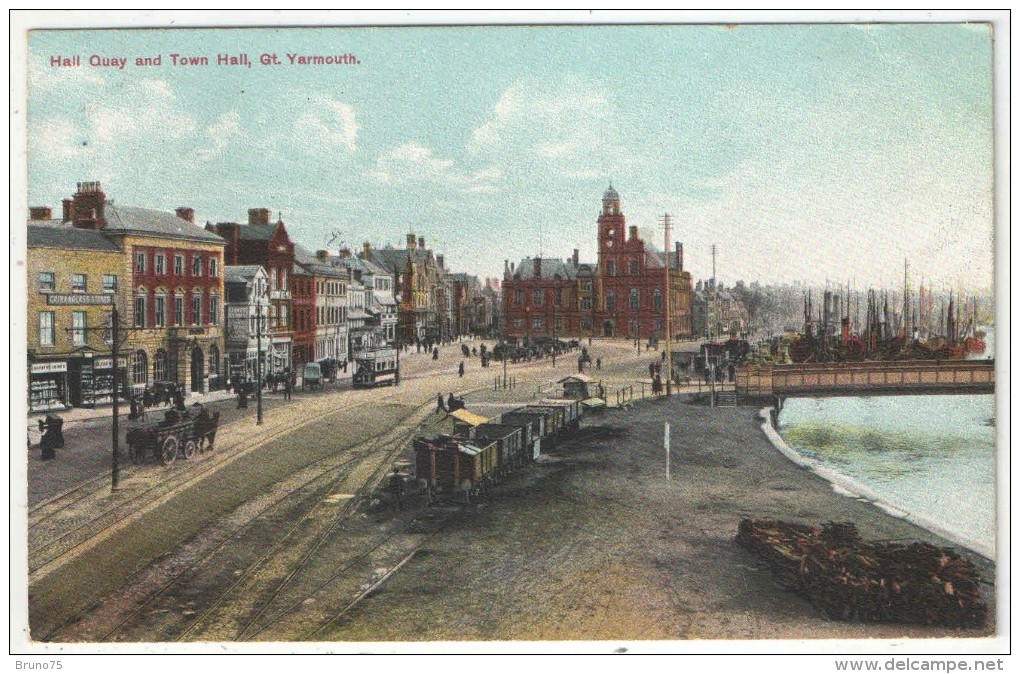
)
(258, 361)
(116, 332)
(115, 469)
(715, 316)
(667, 223)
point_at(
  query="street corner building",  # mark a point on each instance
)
(621, 295)
(161, 271)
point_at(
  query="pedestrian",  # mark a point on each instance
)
(288, 387)
(651, 369)
(580, 365)
(460, 370)
(598, 363)
(435, 353)
(242, 396)
(733, 372)
(53, 436)
(440, 405)
(656, 385)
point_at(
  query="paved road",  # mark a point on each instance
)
(77, 583)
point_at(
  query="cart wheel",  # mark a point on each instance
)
(189, 449)
(168, 453)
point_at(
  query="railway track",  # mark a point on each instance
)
(267, 591)
(145, 490)
(111, 624)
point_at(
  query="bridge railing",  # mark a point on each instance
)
(885, 375)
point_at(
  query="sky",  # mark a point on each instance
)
(804, 152)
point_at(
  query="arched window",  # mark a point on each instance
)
(635, 299)
(160, 366)
(139, 368)
(657, 299)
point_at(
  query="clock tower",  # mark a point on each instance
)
(612, 232)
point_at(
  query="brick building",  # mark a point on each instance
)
(73, 276)
(268, 245)
(171, 270)
(621, 295)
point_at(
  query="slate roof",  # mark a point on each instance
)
(125, 219)
(314, 265)
(395, 259)
(240, 273)
(55, 234)
(550, 268)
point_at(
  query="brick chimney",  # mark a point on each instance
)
(421, 242)
(322, 255)
(68, 210)
(633, 233)
(410, 241)
(680, 255)
(40, 213)
(577, 257)
(89, 206)
(345, 253)
(367, 247)
(258, 216)
(186, 213)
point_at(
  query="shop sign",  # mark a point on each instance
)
(76, 299)
(47, 368)
(104, 363)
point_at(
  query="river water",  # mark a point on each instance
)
(932, 456)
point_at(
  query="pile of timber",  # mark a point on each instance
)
(855, 580)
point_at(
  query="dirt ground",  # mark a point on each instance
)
(593, 543)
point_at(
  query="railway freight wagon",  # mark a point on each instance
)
(554, 424)
(450, 465)
(571, 411)
(508, 439)
(532, 426)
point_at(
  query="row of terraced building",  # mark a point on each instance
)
(201, 305)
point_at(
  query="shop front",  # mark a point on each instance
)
(47, 386)
(91, 380)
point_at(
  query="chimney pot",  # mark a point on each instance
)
(680, 255)
(322, 255)
(68, 210)
(633, 232)
(421, 242)
(410, 241)
(367, 247)
(89, 208)
(40, 213)
(186, 213)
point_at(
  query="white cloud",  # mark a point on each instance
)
(225, 131)
(414, 163)
(566, 129)
(115, 127)
(327, 126)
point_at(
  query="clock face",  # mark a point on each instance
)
(609, 243)
(611, 232)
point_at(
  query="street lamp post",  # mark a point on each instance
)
(258, 362)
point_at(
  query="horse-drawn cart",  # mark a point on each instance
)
(171, 437)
